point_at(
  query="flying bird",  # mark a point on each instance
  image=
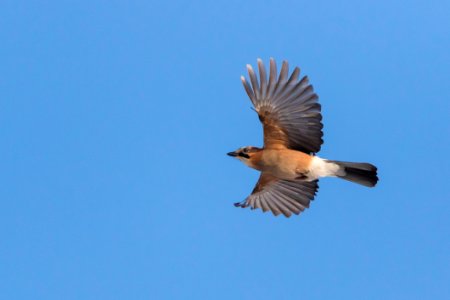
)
(290, 114)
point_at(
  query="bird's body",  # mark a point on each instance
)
(282, 163)
(290, 164)
(290, 114)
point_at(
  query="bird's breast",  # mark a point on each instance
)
(285, 164)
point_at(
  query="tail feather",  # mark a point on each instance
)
(362, 173)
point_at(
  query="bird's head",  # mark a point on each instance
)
(247, 155)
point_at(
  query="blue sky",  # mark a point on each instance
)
(115, 119)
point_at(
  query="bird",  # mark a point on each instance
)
(290, 114)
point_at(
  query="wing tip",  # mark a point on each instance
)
(261, 68)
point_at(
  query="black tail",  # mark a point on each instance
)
(362, 173)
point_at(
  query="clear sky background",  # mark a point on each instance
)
(115, 117)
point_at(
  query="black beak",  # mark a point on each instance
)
(233, 154)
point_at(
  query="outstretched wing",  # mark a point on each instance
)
(280, 196)
(288, 108)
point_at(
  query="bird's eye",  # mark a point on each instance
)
(245, 150)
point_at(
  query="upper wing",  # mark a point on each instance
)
(281, 196)
(287, 108)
